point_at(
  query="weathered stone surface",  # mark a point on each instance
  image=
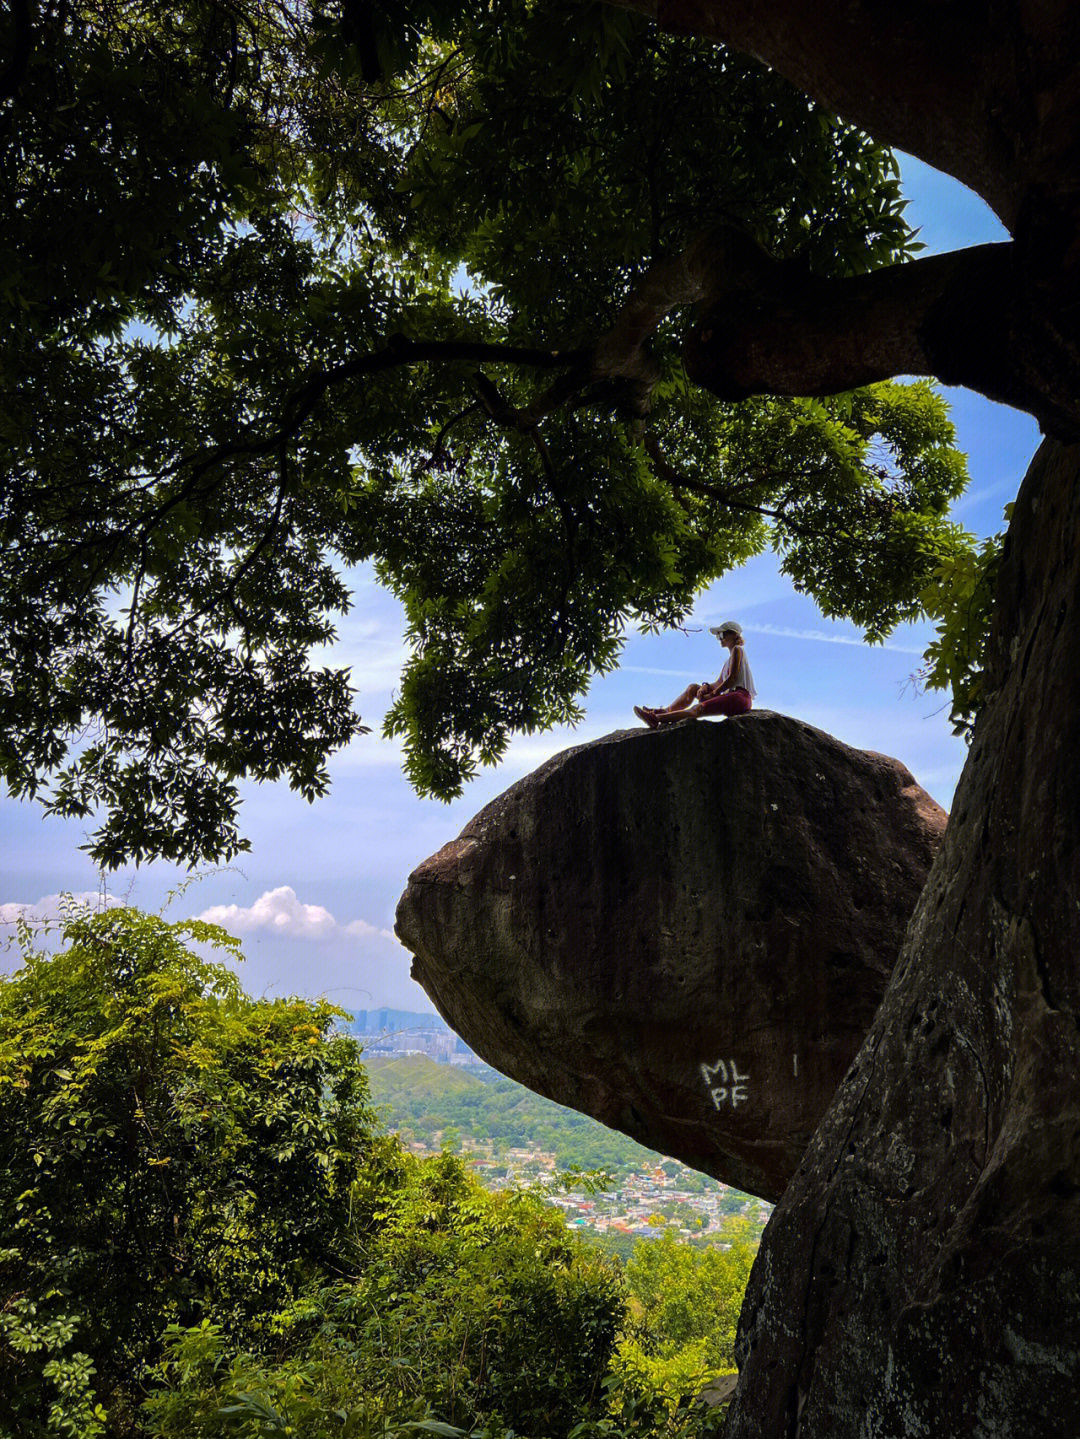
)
(684, 933)
(921, 1276)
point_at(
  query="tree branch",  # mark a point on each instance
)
(770, 327)
(298, 408)
(965, 318)
(679, 481)
(438, 449)
(401, 351)
(133, 613)
(620, 357)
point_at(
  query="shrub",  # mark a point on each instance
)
(170, 1150)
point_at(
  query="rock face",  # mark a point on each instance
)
(684, 933)
(921, 1276)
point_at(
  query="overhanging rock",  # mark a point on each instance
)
(684, 933)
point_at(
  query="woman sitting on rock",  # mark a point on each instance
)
(731, 694)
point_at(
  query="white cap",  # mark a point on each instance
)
(728, 627)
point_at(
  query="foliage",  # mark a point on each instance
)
(237, 359)
(637, 1410)
(479, 1308)
(209, 1394)
(488, 1300)
(204, 1234)
(169, 1149)
(50, 1377)
(689, 1301)
(961, 595)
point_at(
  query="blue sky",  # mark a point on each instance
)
(314, 900)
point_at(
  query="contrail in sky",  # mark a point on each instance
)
(827, 639)
(783, 633)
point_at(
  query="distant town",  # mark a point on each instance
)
(642, 1204)
(438, 1094)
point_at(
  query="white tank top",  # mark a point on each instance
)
(743, 677)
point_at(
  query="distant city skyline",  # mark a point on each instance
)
(314, 901)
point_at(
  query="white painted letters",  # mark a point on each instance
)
(732, 1086)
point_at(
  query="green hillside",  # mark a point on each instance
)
(405, 1073)
(423, 1100)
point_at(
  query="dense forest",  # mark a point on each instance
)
(206, 1230)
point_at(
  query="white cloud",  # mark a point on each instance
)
(280, 912)
(51, 907)
(277, 910)
(360, 929)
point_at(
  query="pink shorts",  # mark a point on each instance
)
(731, 702)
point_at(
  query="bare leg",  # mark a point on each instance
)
(685, 700)
(678, 709)
(673, 715)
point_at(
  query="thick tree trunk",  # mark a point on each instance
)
(969, 317)
(921, 1275)
(990, 94)
(769, 327)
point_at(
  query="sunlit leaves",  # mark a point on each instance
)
(199, 1214)
(690, 1301)
(171, 1148)
(960, 595)
(866, 531)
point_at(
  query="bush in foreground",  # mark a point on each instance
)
(203, 1232)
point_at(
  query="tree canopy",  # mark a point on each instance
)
(292, 288)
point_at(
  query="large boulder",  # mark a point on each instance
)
(684, 933)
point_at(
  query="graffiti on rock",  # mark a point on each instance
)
(725, 1083)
